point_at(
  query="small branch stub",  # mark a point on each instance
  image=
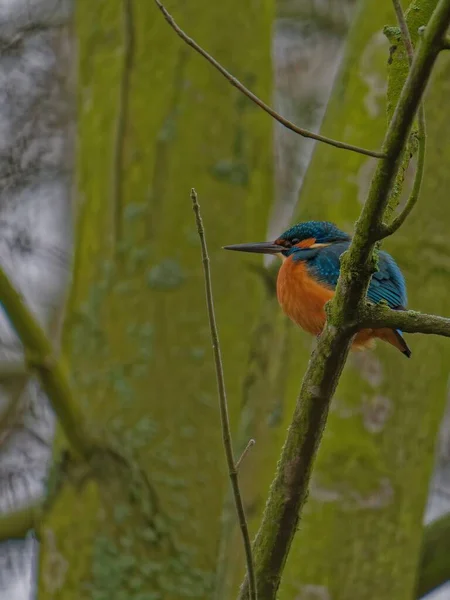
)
(244, 453)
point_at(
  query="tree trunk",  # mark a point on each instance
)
(361, 530)
(154, 121)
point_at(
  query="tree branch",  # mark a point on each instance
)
(289, 487)
(409, 321)
(51, 370)
(237, 84)
(414, 196)
(228, 446)
(434, 566)
(249, 445)
(398, 221)
(15, 525)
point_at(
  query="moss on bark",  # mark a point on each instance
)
(136, 331)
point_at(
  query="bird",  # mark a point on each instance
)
(310, 252)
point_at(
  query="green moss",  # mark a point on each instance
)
(393, 34)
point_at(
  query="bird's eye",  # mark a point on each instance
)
(295, 241)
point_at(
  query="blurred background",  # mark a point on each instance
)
(107, 114)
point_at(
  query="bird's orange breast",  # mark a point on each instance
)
(303, 300)
(301, 297)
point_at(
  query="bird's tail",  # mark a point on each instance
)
(403, 346)
(366, 339)
(394, 337)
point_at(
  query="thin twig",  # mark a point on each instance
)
(398, 221)
(50, 369)
(404, 29)
(232, 466)
(268, 109)
(244, 453)
(387, 230)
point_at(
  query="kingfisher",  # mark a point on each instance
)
(310, 254)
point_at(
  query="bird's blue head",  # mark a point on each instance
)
(310, 234)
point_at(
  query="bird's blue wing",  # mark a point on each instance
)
(387, 284)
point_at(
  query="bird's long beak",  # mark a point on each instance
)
(260, 248)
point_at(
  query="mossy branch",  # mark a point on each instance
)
(289, 487)
(17, 524)
(434, 566)
(265, 107)
(398, 221)
(50, 368)
(409, 321)
(226, 434)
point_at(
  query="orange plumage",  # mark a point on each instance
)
(303, 299)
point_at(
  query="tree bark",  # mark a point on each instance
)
(155, 120)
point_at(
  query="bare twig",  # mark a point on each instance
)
(232, 466)
(289, 488)
(244, 453)
(268, 109)
(404, 29)
(398, 221)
